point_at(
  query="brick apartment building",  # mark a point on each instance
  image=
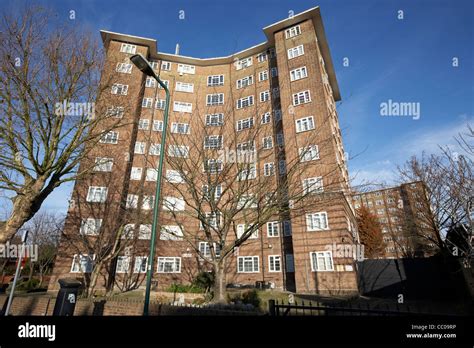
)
(286, 87)
(404, 214)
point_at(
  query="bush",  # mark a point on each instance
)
(204, 280)
(246, 297)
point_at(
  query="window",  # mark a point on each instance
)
(262, 57)
(266, 118)
(160, 104)
(269, 169)
(267, 142)
(276, 92)
(205, 250)
(103, 164)
(118, 88)
(215, 80)
(212, 193)
(321, 261)
(97, 194)
(317, 221)
(184, 87)
(115, 111)
(123, 263)
(132, 201)
(274, 263)
(313, 185)
(277, 115)
(244, 82)
(280, 139)
(214, 120)
(125, 68)
(140, 147)
(182, 107)
(173, 203)
(178, 151)
(166, 83)
(246, 146)
(304, 124)
(245, 123)
(213, 142)
(148, 202)
(136, 173)
(213, 166)
(301, 98)
(247, 264)
(109, 138)
(165, 65)
(180, 128)
(127, 48)
(287, 228)
(157, 126)
(274, 72)
(147, 103)
(245, 102)
(144, 232)
(150, 82)
(263, 75)
(82, 263)
(154, 64)
(378, 202)
(247, 201)
(151, 174)
(143, 124)
(282, 167)
(215, 99)
(171, 232)
(264, 96)
(248, 173)
(174, 176)
(290, 263)
(298, 74)
(242, 228)
(90, 226)
(169, 265)
(154, 149)
(186, 69)
(271, 52)
(141, 264)
(211, 219)
(292, 32)
(295, 52)
(273, 229)
(309, 153)
(244, 63)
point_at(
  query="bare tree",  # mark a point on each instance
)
(228, 177)
(49, 81)
(44, 230)
(448, 187)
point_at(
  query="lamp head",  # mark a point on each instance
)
(142, 64)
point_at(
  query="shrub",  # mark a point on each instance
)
(246, 297)
(204, 280)
(183, 288)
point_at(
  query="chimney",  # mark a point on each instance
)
(176, 51)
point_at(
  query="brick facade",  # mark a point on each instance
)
(296, 271)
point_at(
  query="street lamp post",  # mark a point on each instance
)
(144, 66)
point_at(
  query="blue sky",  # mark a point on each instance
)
(408, 60)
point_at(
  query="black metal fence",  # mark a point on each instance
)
(276, 308)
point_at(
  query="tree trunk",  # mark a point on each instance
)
(93, 281)
(220, 290)
(27, 203)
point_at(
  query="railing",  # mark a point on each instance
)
(310, 309)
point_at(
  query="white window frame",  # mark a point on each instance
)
(298, 73)
(103, 164)
(128, 48)
(171, 232)
(245, 102)
(93, 191)
(186, 69)
(219, 118)
(90, 226)
(119, 89)
(295, 52)
(273, 229)
(302, 97)
(162, 262)
(215, 99)
(185, 87)
(327, 256)
(109, 138)
(311, 218)
(211, 80)
(255, 264)
(179, 106)
(273, 261)
(88, 267)
(263, 75)
(292, 32)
